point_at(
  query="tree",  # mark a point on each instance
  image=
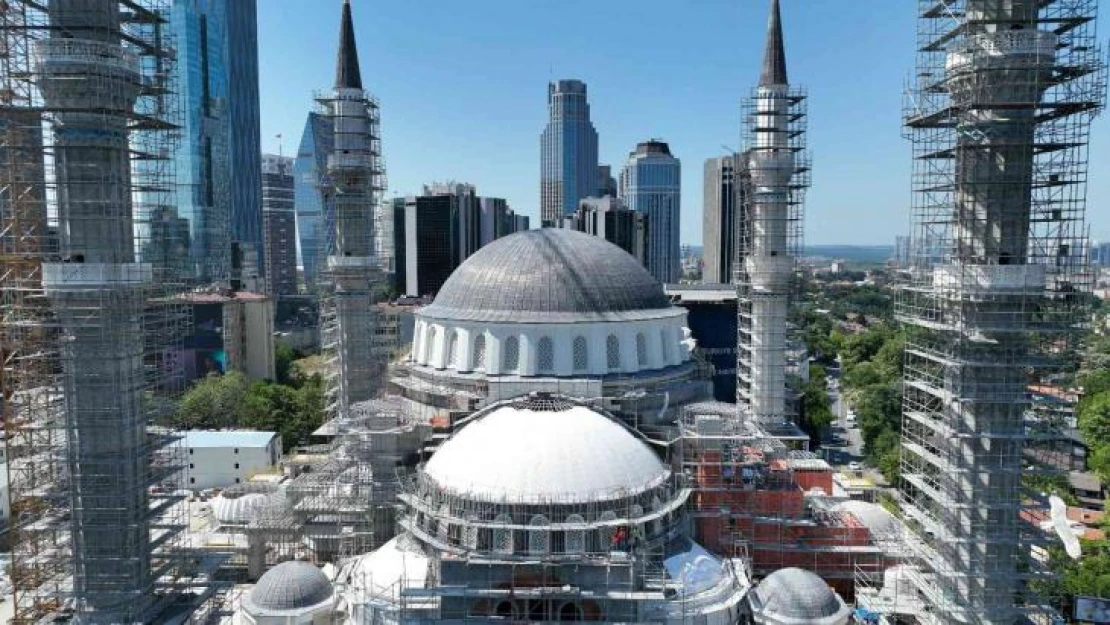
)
(215, 402)
(283, 362)
(818, 411)
(1094, 420)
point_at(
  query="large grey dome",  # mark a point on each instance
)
(795, 595)
(290, 586)
(549, 275)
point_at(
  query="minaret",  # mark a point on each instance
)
(775, 122)
(1001, 113)
(354, 168)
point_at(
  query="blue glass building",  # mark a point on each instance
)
(568, 152)
(310, 197)
(217, 161)
(651, 183)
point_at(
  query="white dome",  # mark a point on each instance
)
(289, 587)
(874, 517)
(794, 596)
(527, 454)
(238, 510)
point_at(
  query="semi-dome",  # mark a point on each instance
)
(872, 516)
(238, 509)
(796, 596)
(548, 275)
(534, 451)
(290, 586)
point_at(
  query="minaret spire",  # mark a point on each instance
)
(774, 54)
(347, 73)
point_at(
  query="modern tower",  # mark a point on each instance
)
(311, 194)
(723, 200)
(999, 118)
(279, 225)
(770, 237)
(217, 161)
(88, 324)
(356, 173)
(568, 151)
(651, 184)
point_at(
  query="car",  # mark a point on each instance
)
(855, 466)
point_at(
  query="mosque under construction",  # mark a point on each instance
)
(548, 449)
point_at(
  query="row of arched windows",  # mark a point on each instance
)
(545, 352)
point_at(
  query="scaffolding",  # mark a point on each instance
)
(758, 500)
(773, 176)
(87, 129)
(998, 115)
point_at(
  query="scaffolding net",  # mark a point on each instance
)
(998, 115)
(87, 242)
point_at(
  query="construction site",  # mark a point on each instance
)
(87, 127)
(998, 115)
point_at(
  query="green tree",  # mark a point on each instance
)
(1094, 420)
(818, 411)
(283, 362)
(215, 402)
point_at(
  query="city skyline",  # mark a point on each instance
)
(498, 101)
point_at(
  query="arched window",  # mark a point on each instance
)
(613, 352)
(641, 349)
(666, 345)
(444, 526)
(453, 349)
(539, 540)
(480, 352)
(510, 355)
(503, 536)
(657, 524)
(575, 538)
(545, 355)
(570, 612)
(429, 345)
(581, 354)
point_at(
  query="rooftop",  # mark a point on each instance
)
(228, 438)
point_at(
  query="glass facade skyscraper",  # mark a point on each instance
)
(217, 161)
(310, 195)
(568, 152)
(651, 184)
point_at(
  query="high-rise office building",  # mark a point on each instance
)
(244, 144)
(217, 160)
(568, 151)
(311, 194)
(721, 218)
(608, 218)
(650, 183)
(435, 232)
(606, 182)
(279, 225)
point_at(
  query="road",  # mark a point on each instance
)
(844, 444)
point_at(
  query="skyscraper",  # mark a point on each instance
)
(311, 194)
(279, 225)
(217, 160)
(770, 232)
(244, 147)
(651, 183)
(1004, 97)
(721, 219)
(608, 218)
(568, 151)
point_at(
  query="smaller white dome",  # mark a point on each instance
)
(378, 573)
(238, 510)
(290, 587)
(526, 452)
(796, 596)
(874, 517)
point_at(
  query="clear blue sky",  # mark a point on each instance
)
(463, 89)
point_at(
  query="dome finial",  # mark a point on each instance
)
(774, 54)
(347, 72)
